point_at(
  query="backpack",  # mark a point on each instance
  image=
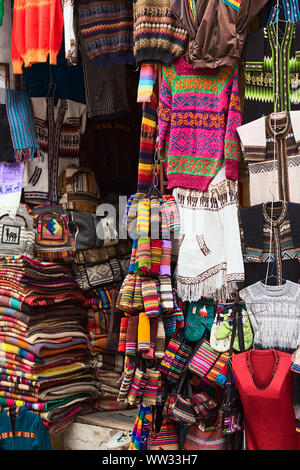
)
(79, 189)
(53, 238)
(17, 236)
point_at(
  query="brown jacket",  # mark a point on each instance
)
(218, 32)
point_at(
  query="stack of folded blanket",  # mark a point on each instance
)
(44, 353)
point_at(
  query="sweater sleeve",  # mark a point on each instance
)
(164, 118)
(232, 150)
(232, 241)
(16, 58)
(42, 440)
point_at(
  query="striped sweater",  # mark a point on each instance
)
(37, 32)
(199, 112)
(106, 31)
(158, 35)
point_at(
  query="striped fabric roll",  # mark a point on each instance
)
(155, 218)
(143, 255)
(165, 232)
(151, 389)
(126, 301)
(217, 368)
(203, 360)
(138, 303)
(143, 218)
(148, 136)
(156, 254)
(125, 215)
(150, 297)
(137, 387)
(178, 364)
(165, 267)
(160, 344)
(166, 293)
(125, 384)
(148, 76)
(143, 333)
(131, 268)
(172, 348)
(131, 336)
(171, 211)
(153, 335)
(123, 333)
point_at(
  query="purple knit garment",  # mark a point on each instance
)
(165, 267)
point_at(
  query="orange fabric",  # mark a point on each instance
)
(37, 32)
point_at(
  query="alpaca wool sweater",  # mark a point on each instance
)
(158, 36)
(274, 314)
(199, 112)
(37, 32)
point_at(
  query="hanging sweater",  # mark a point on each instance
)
(199, 112)
(274, 314)
(158, 36)
(106, 31)
(37, 32)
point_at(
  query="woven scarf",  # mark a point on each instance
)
(22, 128)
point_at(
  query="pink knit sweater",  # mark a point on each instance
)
(199, 112)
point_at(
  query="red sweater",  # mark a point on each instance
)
(269, 414)
(37, 32)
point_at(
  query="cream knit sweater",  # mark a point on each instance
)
(274, 312)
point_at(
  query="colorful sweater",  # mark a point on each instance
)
(199, 112)
(106, 31)
(158, 35)
(37, 32)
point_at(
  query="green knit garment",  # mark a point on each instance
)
(1, 11)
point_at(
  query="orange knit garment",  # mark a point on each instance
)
(37, 32)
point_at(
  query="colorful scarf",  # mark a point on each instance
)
(22, 128)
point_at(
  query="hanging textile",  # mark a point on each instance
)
(271, 147)
(262, 81)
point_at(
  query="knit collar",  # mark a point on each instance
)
(252, 222)
(182, 67)
(282, 121)
(275, 221)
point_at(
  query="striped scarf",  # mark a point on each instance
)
(22, 128)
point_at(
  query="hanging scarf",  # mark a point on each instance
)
(22, 128)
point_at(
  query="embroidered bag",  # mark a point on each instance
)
(92, 275)
(91, 231)
(165, 439)
(180, 407)
(17, 236)
(230, 413)
(205, 437)
(203, 404)
(79, 189)
(53, 238)
(172, 348)
(203, 360)
(199, 318)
